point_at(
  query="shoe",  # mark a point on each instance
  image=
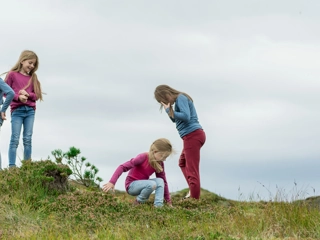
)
(186, 196)
(136, 203)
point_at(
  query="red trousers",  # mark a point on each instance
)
(190, 160)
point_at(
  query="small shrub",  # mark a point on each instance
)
(87, 175)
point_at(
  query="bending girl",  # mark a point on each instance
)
(141, 168)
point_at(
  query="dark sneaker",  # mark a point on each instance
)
(136, 203)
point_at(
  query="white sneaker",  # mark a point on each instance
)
(188, 195)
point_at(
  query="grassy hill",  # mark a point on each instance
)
(39, 202)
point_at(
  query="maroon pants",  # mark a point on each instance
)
(190, 160)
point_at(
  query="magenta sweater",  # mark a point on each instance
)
(17, 82)
(140, 169)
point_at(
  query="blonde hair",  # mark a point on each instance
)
(27, 55)
(163, 91)
(159, 145)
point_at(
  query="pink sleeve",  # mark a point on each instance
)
(127, 166)
(9, 81)
(32, 97)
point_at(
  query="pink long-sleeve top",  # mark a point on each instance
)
(17, 82)
(140, 169)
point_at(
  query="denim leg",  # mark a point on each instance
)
(27, 133)
(16, 125)
(159, 194)
(142, 189)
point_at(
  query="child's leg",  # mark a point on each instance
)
(16, 124)
(192, 146)
(182, 165)
(27, 133)
(142, 189)
(159, 194)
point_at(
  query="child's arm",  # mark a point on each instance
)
(168, 111)
(184, 110)
(24, 92)
(6, 89)
(121, 169)
(9, 81)
(118, 172)
(31, 96)
(106, 187)
(167, 107)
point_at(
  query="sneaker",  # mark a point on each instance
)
(136, 203)
(186, 196)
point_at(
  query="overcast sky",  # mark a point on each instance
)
(252, 68)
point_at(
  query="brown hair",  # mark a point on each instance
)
(27, 55)
(159, 145)
(163, 91)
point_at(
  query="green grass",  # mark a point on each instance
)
(31, 209)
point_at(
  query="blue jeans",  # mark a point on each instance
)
(23, 115)
(143, 188)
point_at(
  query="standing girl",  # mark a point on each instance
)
(24, 82)
(185, 117)
(141, 168)
(4, 90)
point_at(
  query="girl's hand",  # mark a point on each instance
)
(106, 187)
(23, 92)
(3, 116)
(23, 98)
(165, 105)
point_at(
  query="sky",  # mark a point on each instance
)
(251, 66)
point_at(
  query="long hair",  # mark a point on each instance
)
(159, 145)
(27, 55)
(162, 92)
